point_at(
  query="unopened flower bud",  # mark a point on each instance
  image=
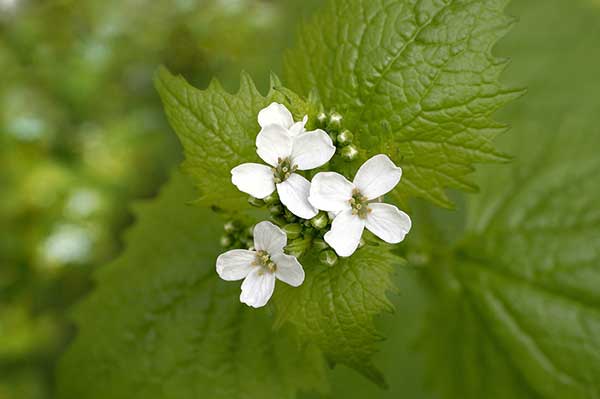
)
(279, 220)
(297, 247)
(292, 230)
(328, 257)
(271, 198)
(256, 202)
(345, 137)
(276, 209)
(349, 152)
(322, 118)
(320, 221)
(230, 227)
(226, 241)
(335, 121)
(319, 244)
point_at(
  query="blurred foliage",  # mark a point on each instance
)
(82, 133)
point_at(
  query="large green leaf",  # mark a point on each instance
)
(217, 130)
(415, 79)
(335, 306)
(521, 305)
(160, 323)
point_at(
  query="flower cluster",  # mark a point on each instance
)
(327, 213)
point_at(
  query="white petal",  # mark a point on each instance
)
(275, 114)
(270, 238)
(289, 270)
(298, 127)
(235, 264)
(273, 143)
(330, 191)
(312, 149)
(257, 288)
(346, 231)
(377, 176)
(293, 193)
(388, 222)
(254, 179)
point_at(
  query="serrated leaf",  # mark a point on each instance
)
(336, 305)
(160, 324)
(217, 130)
(415, 79)
(520, 303)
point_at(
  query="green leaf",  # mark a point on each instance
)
(161, 324)
(217, 130)
(415, 79)
(335, 306)
(517, 310)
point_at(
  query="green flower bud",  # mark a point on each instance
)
(322, 118)
(320, 221)
(230, 227)
(335, 121)
(319, 244)
(256, 202)
(289, 216)
(345, 137)
(276, 209)
(349, 153)
(271, 198)
(297, 247)
(328, 257)
(292, 230)
(279, 220)
(226, 241)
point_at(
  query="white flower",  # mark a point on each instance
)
(355, 204)
(285, 146)
(260, 268)
(278, 114)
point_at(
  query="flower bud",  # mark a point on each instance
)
(276, 209)
(319, 244)
(328, 257)
(297, 247)
(320, 221)
(289, 216)
(335, 121)
(349, 153)
(322, 118)
(230, 227)
(278, 220)
(345, 137)
(271, 198)
(256, 202)
(292, 230)
(226, 241)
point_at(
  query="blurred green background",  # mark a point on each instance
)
(82, 135)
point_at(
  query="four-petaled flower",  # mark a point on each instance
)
(356, 204)
(259, 268)
(286, 147)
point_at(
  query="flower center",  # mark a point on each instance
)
(359, 204)
(264, 261)
(283, 170)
